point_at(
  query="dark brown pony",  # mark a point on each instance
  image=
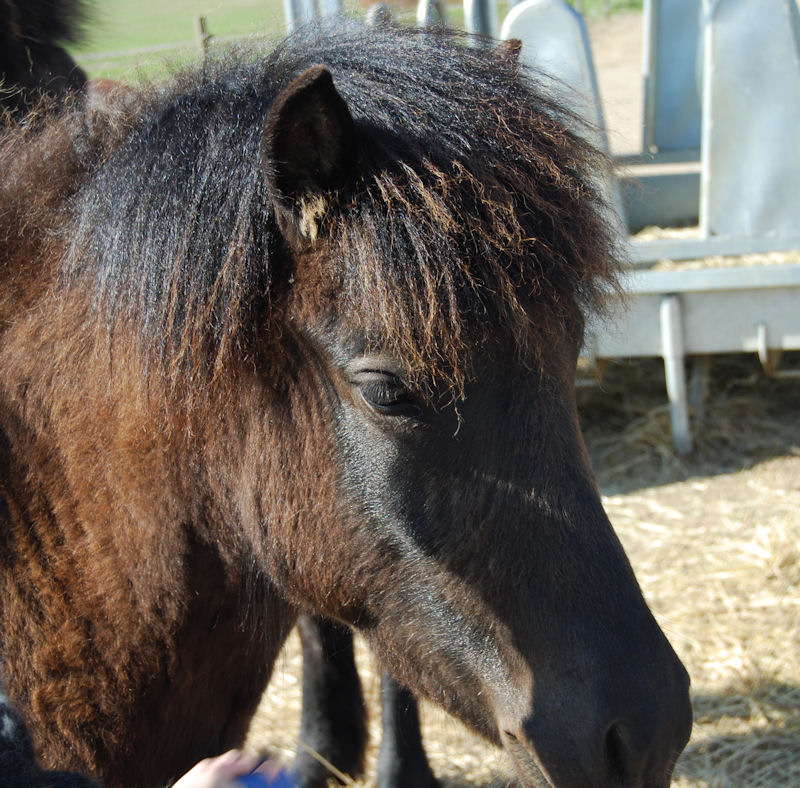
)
(298, 333)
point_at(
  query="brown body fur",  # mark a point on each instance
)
(140, 620)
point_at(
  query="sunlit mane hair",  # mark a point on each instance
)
(473, 209)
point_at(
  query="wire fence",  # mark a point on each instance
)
(144, 61)
(149, 59)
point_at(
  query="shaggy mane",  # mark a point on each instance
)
(473, 210)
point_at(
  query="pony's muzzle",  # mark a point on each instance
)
(569, 753)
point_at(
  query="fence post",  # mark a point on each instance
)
(201, 35)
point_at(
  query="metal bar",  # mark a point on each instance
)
(672, 351)
(431, 12)
(480, 17)
(649, 73)
(696, 248)
(707, 129)
(291, 12)
(755, 277)
(764, 355)
(770, 357)
(299, 11)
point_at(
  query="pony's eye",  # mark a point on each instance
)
(386, 394)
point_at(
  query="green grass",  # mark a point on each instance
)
(124, 24)
(166, 29)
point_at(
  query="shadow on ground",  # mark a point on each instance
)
(753, 738)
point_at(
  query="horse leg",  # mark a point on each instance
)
(402, 762)
(333, 719)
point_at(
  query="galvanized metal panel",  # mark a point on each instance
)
(555, 42)
(672, 41)
(743, 277)
(665, 198)
(751, 118)
(727, 322)
(631, 330)
(721, 311)
(693, 248)
(480, 16)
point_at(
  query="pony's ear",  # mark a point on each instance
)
(308, 150)
(509, 50)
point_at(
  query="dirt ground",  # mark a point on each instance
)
(616, 43)
(714, 539)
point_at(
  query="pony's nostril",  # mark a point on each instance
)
(618, 755)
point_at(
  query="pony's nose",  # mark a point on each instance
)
(635, 751)
(642, 744)
(639, 757)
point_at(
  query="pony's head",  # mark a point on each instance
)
(373, 251)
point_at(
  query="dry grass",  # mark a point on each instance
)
(715, 541)
(738, 417)
(719, 561)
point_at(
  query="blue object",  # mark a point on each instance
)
(256, 780)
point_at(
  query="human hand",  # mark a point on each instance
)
(225, 770)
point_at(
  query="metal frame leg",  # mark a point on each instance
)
(673, 352)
